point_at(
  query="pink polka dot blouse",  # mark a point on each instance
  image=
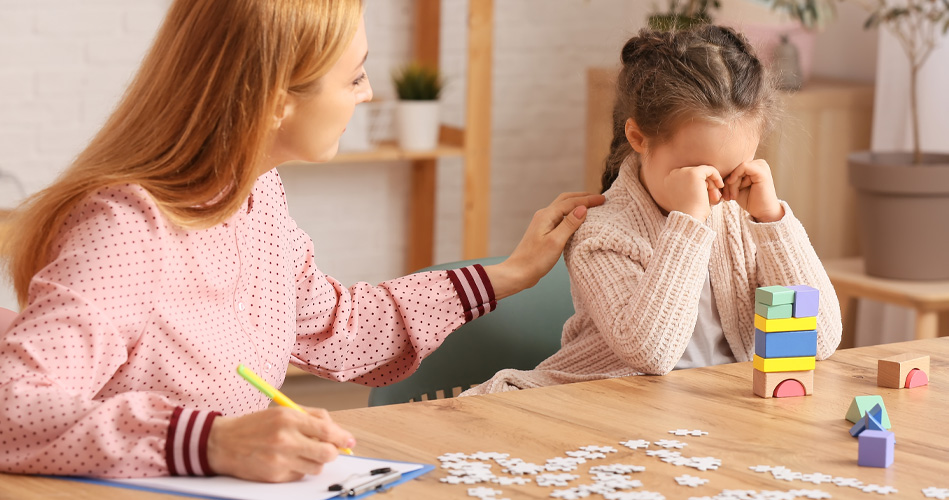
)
(129, 345)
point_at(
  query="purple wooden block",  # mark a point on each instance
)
(875, 449)
(806, 300)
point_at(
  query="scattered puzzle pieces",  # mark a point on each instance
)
(934, 492)
(635, 444)
(693, 481)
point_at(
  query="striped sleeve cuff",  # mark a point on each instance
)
(475, 290)
(186, 449)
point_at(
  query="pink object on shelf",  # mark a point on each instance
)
(789, 388)
(766, 37)
(916, 378)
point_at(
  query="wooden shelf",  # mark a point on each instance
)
(389, 151)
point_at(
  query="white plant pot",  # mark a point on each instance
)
(418, 124)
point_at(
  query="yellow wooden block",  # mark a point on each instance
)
(785, 364)
(785, 324)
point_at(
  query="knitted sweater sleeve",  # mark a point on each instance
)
(784, 256)
(643, 298)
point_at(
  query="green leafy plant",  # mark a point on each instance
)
(918, 25)
(417, 82)
(684, 14)
(812, 14)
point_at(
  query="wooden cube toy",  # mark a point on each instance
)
(774, 295)
(894, 372)
(875, 449)
(806, 301)
(766, 383)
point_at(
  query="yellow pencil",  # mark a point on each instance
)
(274, 394)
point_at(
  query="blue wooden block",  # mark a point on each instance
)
(785, 344)
(871, 421)
(875, 449)
(806, 301)
(860, 426)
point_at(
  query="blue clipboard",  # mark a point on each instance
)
(423, 469)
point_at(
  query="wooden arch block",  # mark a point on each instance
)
(892, 372)
(765, 383)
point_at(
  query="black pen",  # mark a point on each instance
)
(373, 472)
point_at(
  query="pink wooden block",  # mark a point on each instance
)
(916, 378)
(789, 388)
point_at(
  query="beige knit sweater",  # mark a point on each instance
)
(636, 277)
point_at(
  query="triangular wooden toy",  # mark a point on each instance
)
(860, 405)
(869, 422)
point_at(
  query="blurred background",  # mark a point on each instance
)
(64, 65)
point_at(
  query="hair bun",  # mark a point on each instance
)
(631, 49)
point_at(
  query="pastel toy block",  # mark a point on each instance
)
(870, 421)
(785, 325)
(785, 344)
(893, 372)
(798, 364)
(765, 383)
(774, 295)
(875, 449)
(916, 378)
(806, 301)
(790, 389)
(774, 312)
(860, 405)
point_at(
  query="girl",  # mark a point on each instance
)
(165, 256)
(663, 275)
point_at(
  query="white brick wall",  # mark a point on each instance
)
(64, 64)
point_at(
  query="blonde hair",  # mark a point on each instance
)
(193, 126)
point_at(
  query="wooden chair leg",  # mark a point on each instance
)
(927, 324)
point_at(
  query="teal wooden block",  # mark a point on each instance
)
(774, 312)
(774, 295)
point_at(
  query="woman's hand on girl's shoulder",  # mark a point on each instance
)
(542, 243)
(752, 186)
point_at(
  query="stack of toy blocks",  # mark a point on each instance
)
(785, 340)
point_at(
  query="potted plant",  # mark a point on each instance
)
(418, 87)
(903, 196)
(683, 14)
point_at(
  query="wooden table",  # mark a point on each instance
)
(805, 434)
(927, 298)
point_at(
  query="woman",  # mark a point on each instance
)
(165, 256)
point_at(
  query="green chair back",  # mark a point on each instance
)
(524, 330)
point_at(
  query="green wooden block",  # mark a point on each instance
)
(782, 311)
(860, 405)
(774, 295)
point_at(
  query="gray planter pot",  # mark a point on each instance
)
(903, 214)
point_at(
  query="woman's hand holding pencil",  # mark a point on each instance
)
(278, 444)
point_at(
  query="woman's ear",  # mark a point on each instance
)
(635, 136)
(285, 107)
